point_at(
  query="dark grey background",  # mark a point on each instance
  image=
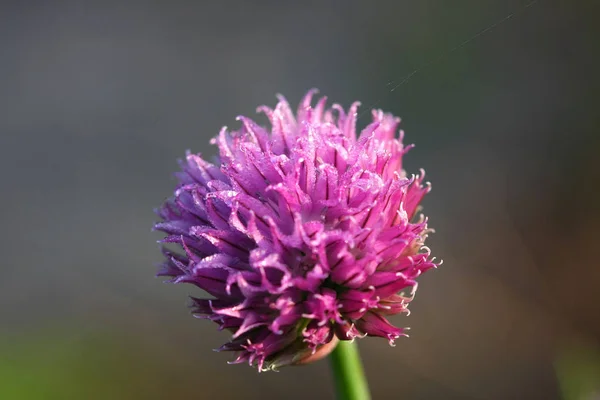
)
(99, 99)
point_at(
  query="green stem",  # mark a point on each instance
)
(348, 373)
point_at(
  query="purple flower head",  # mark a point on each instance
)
(302, 235)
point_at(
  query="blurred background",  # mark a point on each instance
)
(99, 99)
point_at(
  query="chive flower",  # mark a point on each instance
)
(301, 235)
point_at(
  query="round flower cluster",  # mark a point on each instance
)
(303, 235)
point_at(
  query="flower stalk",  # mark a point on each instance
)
(348, 372)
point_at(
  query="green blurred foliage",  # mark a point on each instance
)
(578, 372)
(94, 366)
